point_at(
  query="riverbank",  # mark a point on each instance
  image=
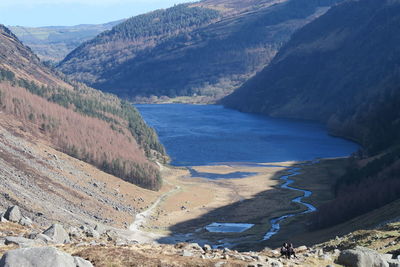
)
(255, 199)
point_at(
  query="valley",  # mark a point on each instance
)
(205, 134)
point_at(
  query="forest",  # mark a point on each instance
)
(96, 128)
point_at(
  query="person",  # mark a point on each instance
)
(290, 251)
(284, 250)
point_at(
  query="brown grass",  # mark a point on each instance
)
(87, 138)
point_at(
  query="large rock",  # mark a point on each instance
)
(22, 242)
(13, 214)
(361, 257)
(58, 234)
(43, 257)
(100, 229)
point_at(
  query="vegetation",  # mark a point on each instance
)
(154, 47)
(160, 22)
(88, 125)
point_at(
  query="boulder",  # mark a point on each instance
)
(207, 248)
(187, 253)
(46, 239)
(58, 234)
(361, 257)
(79, 262)
(100, 229)
(75, 232)
(90, 232)
(274, 263)
(22, 242)
(393, 263)
(25, 221)
(13, 214)
(43, 257)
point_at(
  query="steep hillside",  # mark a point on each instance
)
(342, 69)
(55, 42)
(82, 122)
(217, 53)
(342, 59)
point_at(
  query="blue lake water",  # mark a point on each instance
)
(210, 134)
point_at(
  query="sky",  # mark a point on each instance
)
(36, 13)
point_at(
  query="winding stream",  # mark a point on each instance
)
(275, 222)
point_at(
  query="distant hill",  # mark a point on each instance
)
(97, 128)
(207, 48)
(53, 43)
(343, 70)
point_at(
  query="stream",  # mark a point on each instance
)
(275, 222)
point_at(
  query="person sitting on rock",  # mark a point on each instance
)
(290, 251)
(284, 250)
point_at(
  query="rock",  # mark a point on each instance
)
(274, 263)
(193, 246)
(187, 253)
(22, 242)
(46, 239)
(3, 220)
(2, 241)
(43, 257)
(393, 263)
(79, 262)
(219, 264)
(301, 249)
(361, 257)
(325, 257)
(92, 233)
(13, 214)
(387, 256)
(336, 252)
(100, 229)
(58, 234)
(121, 242)
(207, 248)
(25, 221)
(74, 232)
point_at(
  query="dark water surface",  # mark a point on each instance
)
(210, 134)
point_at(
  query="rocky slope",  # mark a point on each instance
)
(55, 42)
(228, 43)
(99, 246)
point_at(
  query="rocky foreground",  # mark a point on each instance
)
(23, 243)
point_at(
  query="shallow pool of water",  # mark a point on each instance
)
(228, 227)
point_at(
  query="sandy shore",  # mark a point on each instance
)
(194, 202)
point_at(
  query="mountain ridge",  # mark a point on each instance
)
(227, 51)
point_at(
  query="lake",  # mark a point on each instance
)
(196, 135)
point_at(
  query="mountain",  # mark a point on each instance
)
(206, 48)
(94, 127)
(335, 65)
(343, 70)
(53, 43)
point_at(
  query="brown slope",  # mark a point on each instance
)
(97, 128)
